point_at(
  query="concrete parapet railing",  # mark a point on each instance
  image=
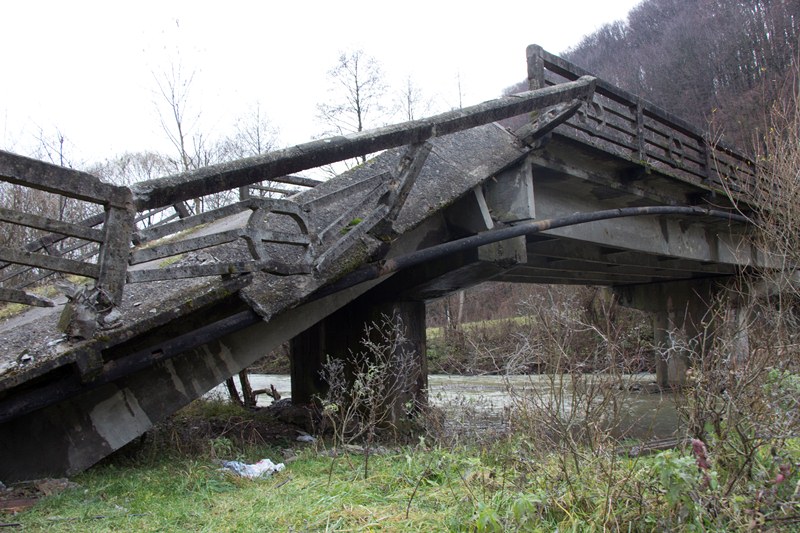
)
(629, 126)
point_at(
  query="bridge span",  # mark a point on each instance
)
(578, 183)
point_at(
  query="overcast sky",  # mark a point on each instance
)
(89, 69)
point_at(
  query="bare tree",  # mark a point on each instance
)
(460, 90)
(132, 167)
(52, 148)
(355, 95)
(411, 102)
(254, 134)
(174, 88)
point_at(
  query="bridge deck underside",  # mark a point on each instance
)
(553, 260)
(561, 260)
(568, 177)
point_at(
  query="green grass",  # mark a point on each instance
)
(313, 494)
(169, 483)
(412, 489)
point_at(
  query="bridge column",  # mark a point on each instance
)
(740, 342)
(681, 314)
(676, 334)
(343, 333)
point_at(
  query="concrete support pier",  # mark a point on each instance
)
(343, 333)
(682, 315)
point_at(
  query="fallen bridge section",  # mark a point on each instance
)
(178, 338)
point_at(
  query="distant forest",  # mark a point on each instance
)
(715, 63)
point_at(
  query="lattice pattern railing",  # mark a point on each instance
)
(256, 233)
(95, 247)
(84, 248)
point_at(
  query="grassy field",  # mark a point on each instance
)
(438, 332)
(314, 493)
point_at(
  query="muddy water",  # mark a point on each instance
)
(484, 402)
(487, 402)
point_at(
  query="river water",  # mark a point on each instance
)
(484, 403)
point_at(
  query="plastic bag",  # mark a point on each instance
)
(263, 468)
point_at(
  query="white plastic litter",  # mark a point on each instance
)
(263, 468)
(305, 438)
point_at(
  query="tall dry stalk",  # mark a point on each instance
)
(578, 402)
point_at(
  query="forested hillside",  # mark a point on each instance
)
(715, 63)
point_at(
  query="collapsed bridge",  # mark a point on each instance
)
(591, 186)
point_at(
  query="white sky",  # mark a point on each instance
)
(87, 69)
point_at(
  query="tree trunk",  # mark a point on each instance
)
(247, 390)
(234, 394)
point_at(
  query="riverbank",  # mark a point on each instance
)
(410, 489)
(172, 481)
(483, 403)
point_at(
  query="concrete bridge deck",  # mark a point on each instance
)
(400, 228)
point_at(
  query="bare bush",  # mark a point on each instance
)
(742, 390)
(579, 401)
(777, 199)
(372, 390)
(740, 401)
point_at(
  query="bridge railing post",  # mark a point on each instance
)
(641, 151)
(535, 57)
(115, 251)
